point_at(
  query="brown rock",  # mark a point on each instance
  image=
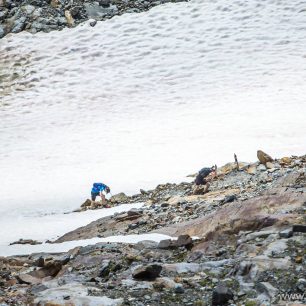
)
(264, 157)
(69, 18)
(28, 279)
(285, 161)
(269, 165)
(184, 240)
(149, 272)
(87, 203)
(253, 214)
(50, 268)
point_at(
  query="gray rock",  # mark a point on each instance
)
(105, 269)
(96, 11)
(135, 212)
(221, 295)
(261, 167)
(2, 31)
(19, 25)
(165, 244)
(287, 233)
(267, 289)
(301, 284)
(28, 9)
(146, 244)
(179, 288)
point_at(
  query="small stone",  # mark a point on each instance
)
(179, 288)
(298, 259)
(92, 22)
(133, 226)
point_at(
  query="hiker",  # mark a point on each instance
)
(99, 189)
(202, 180)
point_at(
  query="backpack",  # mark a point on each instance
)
(205, 172)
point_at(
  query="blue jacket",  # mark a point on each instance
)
(98, 187)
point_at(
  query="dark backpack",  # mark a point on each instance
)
(205, 172)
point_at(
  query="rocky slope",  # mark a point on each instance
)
(47, 15)
(249, 247)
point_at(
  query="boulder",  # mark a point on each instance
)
(264, 157)
(28, 279)
(285, 161)
(119, 198)
(50, 268)
(87, 203)
(149, 272)
(221, 295)
(184, 240)
(165, 244)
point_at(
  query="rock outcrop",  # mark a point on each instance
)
(249, 248)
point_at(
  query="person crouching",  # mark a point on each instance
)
(99, 189)
(201, 183)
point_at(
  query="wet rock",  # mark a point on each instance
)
(264, 157)
(148, 272)
(221, 295)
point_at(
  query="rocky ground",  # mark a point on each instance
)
(47, 15)
(247, 247)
